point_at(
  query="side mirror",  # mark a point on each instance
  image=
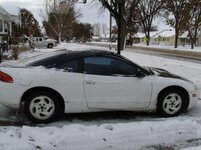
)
(140, 74)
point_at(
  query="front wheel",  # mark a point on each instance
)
(42, 107)
(171, 103)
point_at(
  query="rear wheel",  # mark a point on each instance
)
(42, 107)
(171, 103)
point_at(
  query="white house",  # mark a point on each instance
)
(7, 17)
(140, 37)
(5, 22)
(165, 37)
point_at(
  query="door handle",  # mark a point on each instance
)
(90, 82)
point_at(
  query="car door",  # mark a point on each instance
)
(111, 83)
(71, 87)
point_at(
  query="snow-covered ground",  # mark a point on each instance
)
(166, 47)
(112, 131)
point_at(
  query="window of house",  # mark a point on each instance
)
(5, 27)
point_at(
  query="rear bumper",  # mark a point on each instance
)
(10, 95)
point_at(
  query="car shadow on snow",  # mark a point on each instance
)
(11, 117)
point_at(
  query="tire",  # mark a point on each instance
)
(171, 103)
(50, 45)
(42, 107)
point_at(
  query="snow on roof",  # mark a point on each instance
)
(142, 35)
(5, 14)
(165, 33)
(139, 35)
(184, 35)
(11, 9)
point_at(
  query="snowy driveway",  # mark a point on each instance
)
(111, 130)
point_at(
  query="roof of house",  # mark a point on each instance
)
(184, 35)
(6, 16)
(10, 13)
(165, 33)
(11, 9)
(142, 35)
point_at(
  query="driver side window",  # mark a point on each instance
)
(108, 66)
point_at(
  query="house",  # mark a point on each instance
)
(184, 38)
(5, 23)
(7, 19)
(140, 37)
(165, 37)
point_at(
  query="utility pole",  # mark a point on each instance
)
(119, 27)
(54, 6)
(110, 27)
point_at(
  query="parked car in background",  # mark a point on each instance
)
(90, 81)
(42, 42)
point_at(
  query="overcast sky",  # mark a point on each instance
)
(91, 11)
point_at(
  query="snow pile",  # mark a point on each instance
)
(122, 136)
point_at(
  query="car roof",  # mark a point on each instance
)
(93, 52)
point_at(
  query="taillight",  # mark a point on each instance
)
(5, 77)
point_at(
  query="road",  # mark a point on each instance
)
(183, 55)
(178, 54)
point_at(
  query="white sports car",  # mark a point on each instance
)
(90, 81)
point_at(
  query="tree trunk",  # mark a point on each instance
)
(176, 39)
(59, 38)
(148, 39)
(176, 33)
(121, 29)
(148, 42)
(192, 43)
(121, 41)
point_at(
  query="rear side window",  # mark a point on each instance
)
(48, 62)
(71, 66)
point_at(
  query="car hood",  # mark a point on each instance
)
(164, 73)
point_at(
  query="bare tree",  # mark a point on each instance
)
(59, 17)
(82, 32)
(179, 9)
(194, 22)
(124, 13)
(148, 9)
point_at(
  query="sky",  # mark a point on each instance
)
(91, 11)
